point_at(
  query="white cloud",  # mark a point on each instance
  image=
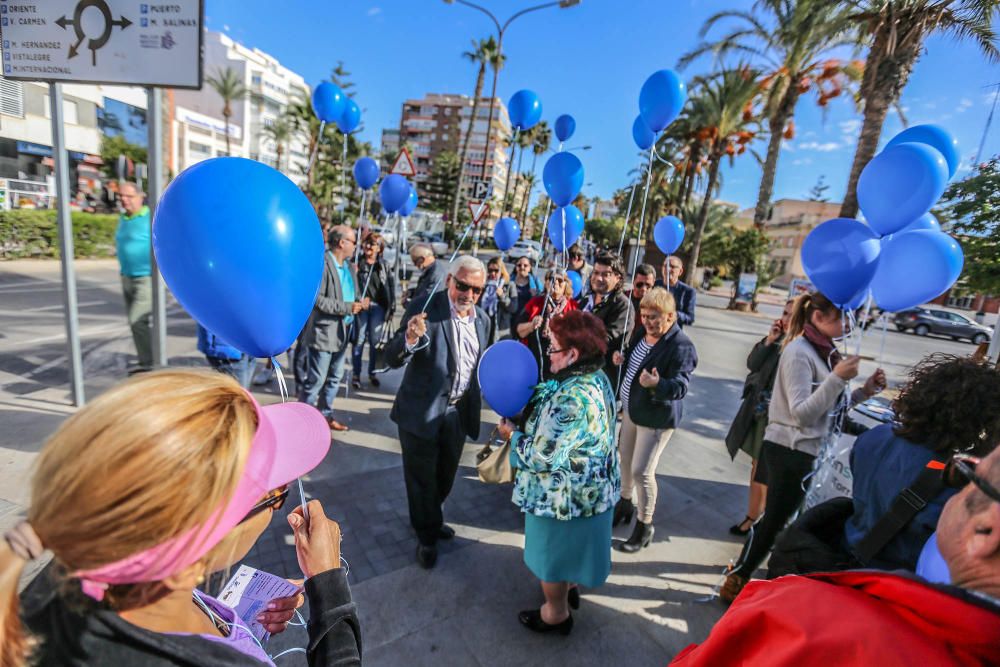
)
(801, 162)
(850, 127)
(374, 11)
(930, 105)
(989, 97)
(826, 147)
(964, 104)
(787, 146)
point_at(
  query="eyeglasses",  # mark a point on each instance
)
(575, 255)
(559, 280)
(553, 350)
(963, 471)
(493, 269)
(274, 500)
(465, 287)
(640, 286)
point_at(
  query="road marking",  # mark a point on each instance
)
(59, 306)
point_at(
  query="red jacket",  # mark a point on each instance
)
(856, 618)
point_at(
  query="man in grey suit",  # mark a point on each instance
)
(432, 274)
(438, 403)
(325, 337)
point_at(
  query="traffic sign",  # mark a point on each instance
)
(104, 41)
(479, 211)
(403, 165)
(480, 190)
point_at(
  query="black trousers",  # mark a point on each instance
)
(786, 468)
(430, 462)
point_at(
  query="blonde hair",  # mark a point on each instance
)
(497, 262)
(147, 461)
(802, 312)
(660, 300)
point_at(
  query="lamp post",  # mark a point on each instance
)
(501, 29)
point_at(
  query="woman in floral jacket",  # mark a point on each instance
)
(567, 471)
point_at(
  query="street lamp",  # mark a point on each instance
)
(501, 29)
(574, 148)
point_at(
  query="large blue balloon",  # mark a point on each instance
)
(565, 127)
(366, 172)
(858, 300)
(900, 184)
(573, 220)
(926, 221)
(394, 191)
(916, 267)
(563, 178)
(506, 233)
(524, 109)
(350, 118)
(241, 249)
(668, 234)
(840, 256)
(934, 136)
(508, 374)
(661, 99)
(328, 102)
(410, 205)
(641, 134)
(576, 280)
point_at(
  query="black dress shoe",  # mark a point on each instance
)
(427, 555)
(446, 532)
(624, 512)
(532, 619)
(641, 536)
(574, 598)
(373, 381)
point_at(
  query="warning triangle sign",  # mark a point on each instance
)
(403, 165)
(478, 210)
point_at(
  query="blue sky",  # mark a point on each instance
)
(588, 61)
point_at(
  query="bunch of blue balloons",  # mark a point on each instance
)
(901, 257)
(562, 177)
(331, 105)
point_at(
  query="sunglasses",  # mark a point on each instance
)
(274, 500)
(466, 287)
(575, 255)
(640, 285)
(962, 470)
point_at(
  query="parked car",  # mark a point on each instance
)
(530, 249)
(923, 321)
(435, 241)
(388, 234)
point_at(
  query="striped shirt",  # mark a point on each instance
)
(634, 364)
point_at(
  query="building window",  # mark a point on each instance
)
(11, 98)
(196, 147)
(69, 111)
(255, 79)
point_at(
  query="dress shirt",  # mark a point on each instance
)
(467, 342)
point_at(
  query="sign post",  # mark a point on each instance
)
(154, 112)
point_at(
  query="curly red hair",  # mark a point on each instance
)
(582, 332)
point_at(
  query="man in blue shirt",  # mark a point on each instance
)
(133, 242)
(684, 294)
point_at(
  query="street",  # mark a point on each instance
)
(655, 602)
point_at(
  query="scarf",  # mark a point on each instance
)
(823, 345)
(489, 302)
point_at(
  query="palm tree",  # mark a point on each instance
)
(484, 53)
(717, 108)
(230, 88)
(280, 132)
(896, 30)
(789, 38)
(541, 141)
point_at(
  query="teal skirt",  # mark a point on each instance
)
(576, 551)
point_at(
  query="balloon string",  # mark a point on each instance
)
(881, 347)
(545, 223)
(343, 183)
(361, 216)
(319, 138)
(513, 147)
(458, 247)
(565, 252)
(283, 390)
(862, 332)
(628, 214)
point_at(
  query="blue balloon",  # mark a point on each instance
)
(563, 178)
(394, 191)
(641, 134)
(524, 109)
(573, 220)
(565, 127)
(350, 118)
(506, 233)
(900, 184)
(328, 102)
(840, 256)
(934, 136)
(926, 221)
(508, 374)
(661, 99)
(241, 249)
(668, 234)
(576, 280)
(366, 172)
(410, 205)
(916, 267)
(859, 299)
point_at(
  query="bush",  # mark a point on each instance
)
(35, 234)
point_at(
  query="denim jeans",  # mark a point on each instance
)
(368, 324)
(324, 371)
(241, 369)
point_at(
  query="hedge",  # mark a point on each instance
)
(34, 234)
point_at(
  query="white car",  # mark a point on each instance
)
(437, 244)
(387, 234)
(530, 249)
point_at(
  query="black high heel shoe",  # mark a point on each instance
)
(532, 619)
(573, 597)
(624, 512)
(738, 528)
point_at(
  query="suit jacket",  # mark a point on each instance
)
(432, 276)
(423, 394)
(674, 359)
(615, 311)
(325, 329)
(684, 297)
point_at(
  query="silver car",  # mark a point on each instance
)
(924, 321)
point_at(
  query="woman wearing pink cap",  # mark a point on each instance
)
(143, 493)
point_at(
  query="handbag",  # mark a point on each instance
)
(493, 461)
(379, 365)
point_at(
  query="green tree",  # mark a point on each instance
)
(818, 191)
(604, 231)
(439, 188)
(280, 132)
(541, 140)
(790, 41)
(342, 78)
(973, 206)
(895, 31)
(112, 147)
(227, 83)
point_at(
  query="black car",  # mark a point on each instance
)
(923, 321)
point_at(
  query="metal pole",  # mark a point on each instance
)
(61, 163)
(489, 131)
(154, 112)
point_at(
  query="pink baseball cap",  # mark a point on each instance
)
(291, 440)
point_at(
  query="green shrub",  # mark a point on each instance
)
(35, 234)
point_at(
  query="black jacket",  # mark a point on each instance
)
(762, 363)
(615, 311)
(431, 279)
(674, 358)
(684, 297)
(422, 398)
(86, 634)
(381, 286)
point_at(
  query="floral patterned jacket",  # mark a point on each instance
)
(566, 459)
